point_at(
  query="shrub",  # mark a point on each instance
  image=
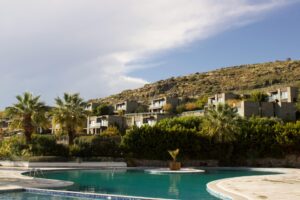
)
(154, 142)
(201, 102)
(288, 135)
(103, 109)
(180, 108)
(191, 106)
(258, 97)
(45, 145)
(111, 131)
(13, 147)
(141, 109)
(258, 138)
(168, 108)
(188, 122)
(93, 146)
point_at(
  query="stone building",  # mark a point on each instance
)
(157, 105)
(280, 103)
(126, 106)
(97, 124)
(140, 119)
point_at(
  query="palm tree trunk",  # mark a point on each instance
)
(28, 128)
(27, 136)
(71, 137)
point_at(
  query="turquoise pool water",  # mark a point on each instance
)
(140, 183)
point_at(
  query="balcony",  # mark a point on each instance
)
(157, 105)
(94, 124)
(273, 98)
(121, 107)
(99, 123)
(104, 123)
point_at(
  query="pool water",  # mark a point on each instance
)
(141, 183)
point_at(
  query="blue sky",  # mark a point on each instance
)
(275, 37)
(99, 48)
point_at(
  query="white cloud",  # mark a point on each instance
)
(53, 46)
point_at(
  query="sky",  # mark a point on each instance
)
(101, 47)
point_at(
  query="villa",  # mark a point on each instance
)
(221, 98)
(126, 106)
(97, 124)
(91, 106)
(157, 105)
(140, 119)
(280, 103)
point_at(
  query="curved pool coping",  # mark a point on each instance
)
(274, 186)
(237, 188)
(14, 179)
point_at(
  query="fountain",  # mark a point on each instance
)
(174, 166)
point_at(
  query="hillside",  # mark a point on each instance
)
(243, 78)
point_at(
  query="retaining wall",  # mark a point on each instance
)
(26, 164)
(161, 163)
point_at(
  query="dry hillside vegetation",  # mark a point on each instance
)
(243, 78)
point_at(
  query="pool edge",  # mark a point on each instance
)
(215, 188)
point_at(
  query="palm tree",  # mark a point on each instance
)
(27, 114)
(221, 123)
(70, 114)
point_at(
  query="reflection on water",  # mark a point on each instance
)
(173, 188)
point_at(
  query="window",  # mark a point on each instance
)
(284, 95)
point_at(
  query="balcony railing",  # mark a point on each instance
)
(95, 125)
(157, 105)
(121, 107)
(99, 124)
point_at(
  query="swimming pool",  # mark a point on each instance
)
(141, 183)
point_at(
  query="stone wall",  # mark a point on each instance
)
(288, 161)
(26, 164)
(161, 163)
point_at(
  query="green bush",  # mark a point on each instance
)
(154, 142)
(111, 131)
(13, 148)
(180, 108)
(182, 122)
(103, 109)
(45, 145)
(288, 136)
(93, 146)
(258, 138)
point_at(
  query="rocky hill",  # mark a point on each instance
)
(239, 79)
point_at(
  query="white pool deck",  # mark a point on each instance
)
(285, 186)
(12, 179)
